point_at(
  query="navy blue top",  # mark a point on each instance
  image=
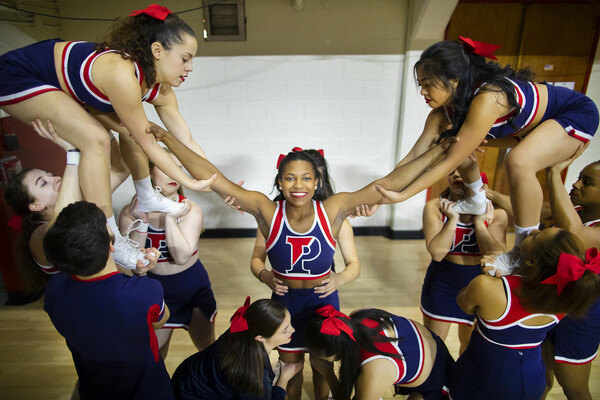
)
(200, 377)
(107, 324)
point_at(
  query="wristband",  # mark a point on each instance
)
(73, 157)
(260, 273)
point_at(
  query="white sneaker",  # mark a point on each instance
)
(158, 203)
(470, 206)
(506, 263)
(126, 253)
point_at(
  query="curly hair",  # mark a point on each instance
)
(132, 37)
(447, 60)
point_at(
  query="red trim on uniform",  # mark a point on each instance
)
(301, 278)
(276, 225)
(154, 93)
(325, 224)
(507, 116)
(574, 363)
(28, 96)
(88, 79)
(154, 315)
(537, 106)
(96, 279)
(290, 351)
(63, 68)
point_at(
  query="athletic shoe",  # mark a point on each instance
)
(470, 206)
(506, 263)
(158, 203)
(126, 250)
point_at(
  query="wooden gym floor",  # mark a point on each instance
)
(36, 364)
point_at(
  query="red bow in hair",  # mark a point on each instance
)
(480, 48)
(238, 321)
(295, 149)
(16, 222)
(571, 268)
(154, 11)
(332, 325)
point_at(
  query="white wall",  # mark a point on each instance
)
(245, 111)
(592, 153)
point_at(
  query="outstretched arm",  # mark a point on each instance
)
(255, 203)
(69, 191)
(484, 110)
(168, 112)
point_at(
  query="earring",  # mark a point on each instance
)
(279, 187)
(315, 187)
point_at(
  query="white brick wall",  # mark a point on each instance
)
(245, 111)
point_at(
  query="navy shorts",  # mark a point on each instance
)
(442, 283)
(576, 340)
(435, 386)
(302, 304)
(575, 112)
(185, 291)
(28, 72)
(492, 372)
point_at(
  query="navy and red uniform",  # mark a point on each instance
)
(107, 324)
(411, 354)
(185, 290)
(30, 71)
(307, 255)
(576, 340)
(200, 377)
(444, 279)
(575, 112)
(504, 357)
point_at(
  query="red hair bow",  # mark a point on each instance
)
(295, 149)
(332, 325)
(480, 48)
(484, 178)
(238, 320)
(571, 268)
(16, 222)
(154, 11)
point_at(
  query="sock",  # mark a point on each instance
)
(522, 232)
(112, 224)
(143, 188)
(478, 196)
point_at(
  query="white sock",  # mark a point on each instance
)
(112, 224)
(143, 188)
(478, 195)
(522, 232)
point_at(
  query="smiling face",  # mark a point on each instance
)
(298, 182)
(435, 94)
(283, 334)
(586, 191)
(174, 65)
(168, 185)
(43, 186)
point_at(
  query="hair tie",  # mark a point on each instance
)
(16, 222)
(238, 320)
(480, 48)
(332, 325)
(294, 150)
(154, 11)
(570, 268)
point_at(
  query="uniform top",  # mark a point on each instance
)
(77, 61)
(409, 348)
(158, 239)
(509, 329)
(593, 222)
(294, 255)
(49, 269)
(107, 324)
(464, 242)
(200, 377)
